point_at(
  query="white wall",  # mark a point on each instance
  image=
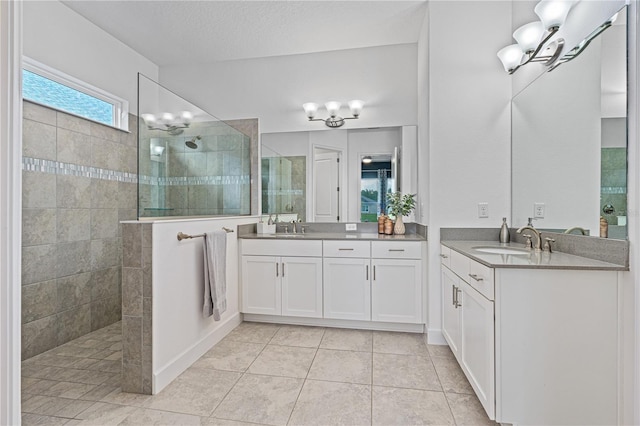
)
(274, 89)
(180, 334)
(469, 124)
(56, 36)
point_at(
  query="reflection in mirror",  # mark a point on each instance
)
(569, 142)
(375, 183)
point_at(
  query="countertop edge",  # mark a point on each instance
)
(335, 237)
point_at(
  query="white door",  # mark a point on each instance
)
(347, 292)
(261, 286)
(301, 286)
(478, 345)
(450, 312)
(396, 290)
(326, 193)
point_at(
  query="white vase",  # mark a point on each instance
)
(398, 228)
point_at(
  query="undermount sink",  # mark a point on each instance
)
(502, 250)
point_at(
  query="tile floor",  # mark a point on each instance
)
(259, 374)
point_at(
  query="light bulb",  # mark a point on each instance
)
(553, 13)
(356, 107)
(167, 117)
(149, 119)
(528, 36)
(511, 56)
(186, 117)
(333, 107)
(310, 108)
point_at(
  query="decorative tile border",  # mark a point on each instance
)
(60, 168)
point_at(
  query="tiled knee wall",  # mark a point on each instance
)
(136, 307)
(79, 182)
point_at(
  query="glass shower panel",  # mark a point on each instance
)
(284, 181)
(190, 163)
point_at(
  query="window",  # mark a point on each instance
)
(47, 86)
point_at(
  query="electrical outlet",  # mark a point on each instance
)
(351, 227)
(483, 209)
(538, 210)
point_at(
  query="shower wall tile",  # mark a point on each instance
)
(71, 247)
(73, 291)
(38, 190)
(73, 258)
(104, 132)
(38, 226)
(38, 140)
(73, 147)
(105, 154)
(104, 223)
(39, 336)
(105, 283)
(73, 192)
(38, 113)
(105, 312)
(71, 122)
(38, 263)
(104, 193)
(132, 339)
(73, 323)
(131, 377)
(132, 291)
(105, 253)
(39, 300)
(132, 245)
(73, 225)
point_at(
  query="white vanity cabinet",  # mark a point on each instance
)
(467, 321)
(396, 282)
(347, 288)
(289, 284)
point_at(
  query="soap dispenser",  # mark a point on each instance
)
(504, 231)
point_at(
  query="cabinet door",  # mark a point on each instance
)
(478, 345)
(261, 285)
(347, 292)
(450, 311)
(396, 291)
(301, 286)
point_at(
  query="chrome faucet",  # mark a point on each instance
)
(576, 228)
(538, 246)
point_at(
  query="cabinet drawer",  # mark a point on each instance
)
(459, 264)
(342, 248)
(281, 248)
(480, 277)
(396, 250)
(445, 256)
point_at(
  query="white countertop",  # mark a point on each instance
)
(528, 260)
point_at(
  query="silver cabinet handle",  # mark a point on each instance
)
(444, 256)
(396, 249)
(453, 295)
(374, 272)
(367, 272)
(345, 249)
(283, 269)
(458, 304)
(277, 274)
(476, 277)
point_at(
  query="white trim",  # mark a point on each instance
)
(435, 337)
(120, 106)
(338, 323)
(10, 208)
(183, 361)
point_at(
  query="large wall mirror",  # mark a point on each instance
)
(569, 142)
(335, 175)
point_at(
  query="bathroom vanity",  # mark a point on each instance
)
(536, 333)
(358, 280)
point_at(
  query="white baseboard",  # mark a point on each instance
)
(183, 361)
(435, 337)
(327, 322)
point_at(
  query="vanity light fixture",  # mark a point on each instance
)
(532, 38)
(168, 122)
(333, 107)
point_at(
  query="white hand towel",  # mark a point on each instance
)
(215, 274)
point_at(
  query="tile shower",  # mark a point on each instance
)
(79, 182)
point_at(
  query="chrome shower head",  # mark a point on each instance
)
(192, 143)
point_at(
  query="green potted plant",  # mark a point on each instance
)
(400, 205)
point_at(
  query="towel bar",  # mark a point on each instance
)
(183, 236)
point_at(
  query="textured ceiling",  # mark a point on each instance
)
(174, 32)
